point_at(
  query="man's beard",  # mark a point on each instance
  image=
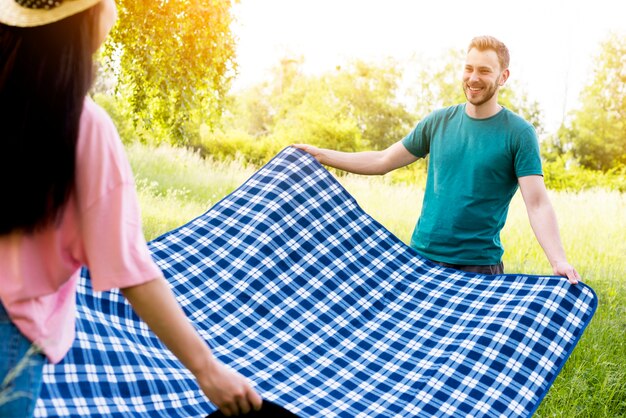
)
(487, 94)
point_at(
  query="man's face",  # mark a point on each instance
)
(482, 76)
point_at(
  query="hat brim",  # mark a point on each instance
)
(13, 14)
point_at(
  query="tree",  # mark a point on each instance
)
(597, 132)
(350, 108)
(371, 96)
(438, 83)
(255, 109)
(175, 62)
(362, 100)
(307, 109)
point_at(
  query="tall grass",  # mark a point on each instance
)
(176, 186)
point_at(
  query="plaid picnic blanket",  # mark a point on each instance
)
(326, 312)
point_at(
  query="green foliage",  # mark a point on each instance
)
(565, 174)
(173, 61)
(597, 133)
(368, 94)
(175, 185)
(349, 109)
(239, 145)
(118, 111)
(250, 111)
(438, 83)
(318, 116)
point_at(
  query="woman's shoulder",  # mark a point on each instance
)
(94, 114)
(96, 126)
(99, 143)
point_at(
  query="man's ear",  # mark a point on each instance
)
(503, 77)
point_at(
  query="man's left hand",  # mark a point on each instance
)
(565, 269)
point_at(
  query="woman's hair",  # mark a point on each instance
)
(46, 73)
(484, 43)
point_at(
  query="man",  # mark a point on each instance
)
(480, 153)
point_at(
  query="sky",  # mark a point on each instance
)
(552, 42)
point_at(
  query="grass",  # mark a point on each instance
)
(175, 186)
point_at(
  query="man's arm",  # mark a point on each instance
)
(544, 224)
(366, 162)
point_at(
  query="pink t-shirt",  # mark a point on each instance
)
(100, 228)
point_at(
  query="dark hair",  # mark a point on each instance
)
(483, 43)
(46, 73)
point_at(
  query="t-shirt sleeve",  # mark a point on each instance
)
(115, 250)
(527, 156)
(417, 142)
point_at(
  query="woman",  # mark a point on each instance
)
(69, 200)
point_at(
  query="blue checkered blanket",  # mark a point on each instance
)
(326, 312)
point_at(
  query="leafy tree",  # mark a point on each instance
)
(349, 108)
(438, 83)
(319, 118)
(174, 60)
(597, 132)
(255, 109)
(249, 111)
(370, 95)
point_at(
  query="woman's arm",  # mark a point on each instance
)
(155, 303)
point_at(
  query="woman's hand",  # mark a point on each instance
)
(228, 390)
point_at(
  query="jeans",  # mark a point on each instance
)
(21, 371)
(491, 269)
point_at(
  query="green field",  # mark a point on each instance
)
(175, 186)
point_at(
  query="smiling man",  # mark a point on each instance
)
(479, 154)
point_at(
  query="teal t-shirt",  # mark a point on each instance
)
(473, 169)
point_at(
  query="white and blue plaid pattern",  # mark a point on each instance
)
(326, 312)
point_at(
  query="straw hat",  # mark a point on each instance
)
(26, 13)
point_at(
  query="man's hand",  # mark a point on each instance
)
(563, 268)
(314, 151)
